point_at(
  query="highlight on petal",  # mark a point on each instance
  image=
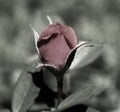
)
(49, 19)
(36, 36)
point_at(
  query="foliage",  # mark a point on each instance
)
(37, 86)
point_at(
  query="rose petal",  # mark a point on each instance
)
(55, 52)
(51, 29)
(47, 32)
(70, 36)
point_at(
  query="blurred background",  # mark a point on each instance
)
(97, 20)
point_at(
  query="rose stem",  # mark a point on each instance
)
(60, 89)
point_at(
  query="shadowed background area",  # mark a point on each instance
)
(96, 20)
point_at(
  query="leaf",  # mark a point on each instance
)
(25, 91)
(86, 54)
(49, 19)
(4, 110)
(79, 97)
(50, 80)
(36, 37)
(92, 110)
(71, 55)
(39, 107)
(83, 90)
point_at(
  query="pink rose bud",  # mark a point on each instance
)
(55, 43)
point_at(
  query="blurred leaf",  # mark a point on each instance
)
(25, 91)
(80, 97)
(4, 110)
(77, 108)
(39, 107)
(92, 110)
(86, 54)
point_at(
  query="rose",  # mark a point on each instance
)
(55, 43)
(57, 46)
